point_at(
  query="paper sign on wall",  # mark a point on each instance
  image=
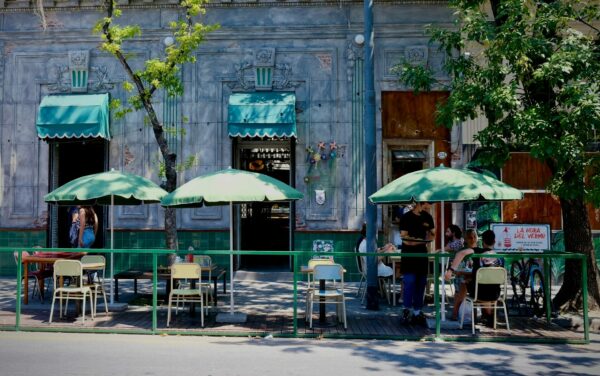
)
(519, 237)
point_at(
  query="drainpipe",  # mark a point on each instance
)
(370, 162)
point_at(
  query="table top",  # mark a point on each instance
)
(50, 258)
(306, 269)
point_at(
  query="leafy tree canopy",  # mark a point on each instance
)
(532, 69)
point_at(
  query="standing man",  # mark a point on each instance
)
(416, 229)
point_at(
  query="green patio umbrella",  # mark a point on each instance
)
(228, 187)
(107, 188)
(442, 184)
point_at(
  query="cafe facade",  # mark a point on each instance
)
(277, 89)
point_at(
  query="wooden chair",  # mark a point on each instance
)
(76, 289)
(35, 274)
(488, 276)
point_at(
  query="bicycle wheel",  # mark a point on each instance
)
(538, 296)
(516, 280)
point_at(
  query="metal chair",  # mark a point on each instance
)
(76, 289)
(333, 273)
(205, 263)
(488, 276)
(96, 279)
(183, 293)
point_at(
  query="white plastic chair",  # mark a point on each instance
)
(333, 273)
(186, 294)
(311, 266)
(97, 284)
(488, 276)
(385, 283)
(76, 290)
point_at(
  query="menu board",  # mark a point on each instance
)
(519, 237)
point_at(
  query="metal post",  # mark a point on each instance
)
(295, 270)
(584, 291)
(436, 297)
(19, 283)
(370, 161)
(547, 290)
(154, 290)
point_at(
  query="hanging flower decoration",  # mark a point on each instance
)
(332, 149)
(309, 153)
(317, 154)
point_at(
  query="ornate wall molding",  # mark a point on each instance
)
(245, 72)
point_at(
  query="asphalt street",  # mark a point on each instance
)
(23, 353)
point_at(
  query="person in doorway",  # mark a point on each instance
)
(486, 292)
(74, 226)
(88, 227)
(454, 240)
(416, 228)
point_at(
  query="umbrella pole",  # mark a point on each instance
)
(231, 317)
(112, 245)
(231, 256)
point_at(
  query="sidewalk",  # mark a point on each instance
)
(269, 306)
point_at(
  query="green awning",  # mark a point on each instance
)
(73, 116)
(265, 114)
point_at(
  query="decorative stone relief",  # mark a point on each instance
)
(101, 82)
(416, 55)
(79, 62)
(61, 84)
(326, 61)
(353, 53)
(264, 57)
(245, 72)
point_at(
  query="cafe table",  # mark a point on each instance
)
(48, 258)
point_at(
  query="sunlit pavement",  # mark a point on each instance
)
(25, 353)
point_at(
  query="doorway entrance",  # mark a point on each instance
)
(266, 226)
(69, 161)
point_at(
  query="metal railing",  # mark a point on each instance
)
(299, 257)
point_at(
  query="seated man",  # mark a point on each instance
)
(486, 292)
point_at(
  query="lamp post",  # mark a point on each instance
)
(370, 157)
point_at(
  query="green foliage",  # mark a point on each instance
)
(189, 162)
(532, 69)
(158, 73)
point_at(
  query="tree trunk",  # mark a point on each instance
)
(170, 160)
(578, 238)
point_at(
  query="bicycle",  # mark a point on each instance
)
(527, 275)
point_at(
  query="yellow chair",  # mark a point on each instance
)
(205, 263)
(76, 289)
(96, 279)
(333, 273)
(488, 276)
(186, 294)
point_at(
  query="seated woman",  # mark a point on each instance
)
(383, 270)
(490, 292)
